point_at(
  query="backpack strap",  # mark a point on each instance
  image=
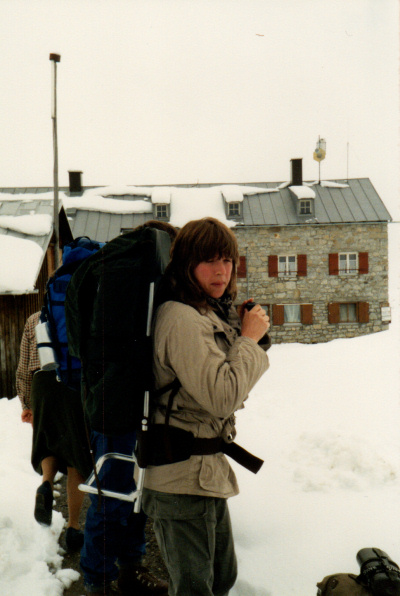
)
(173, 387)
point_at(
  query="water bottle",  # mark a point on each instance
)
(47, 357)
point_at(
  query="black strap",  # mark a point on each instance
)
(233, 450)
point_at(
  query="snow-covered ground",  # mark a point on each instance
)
(326, 420)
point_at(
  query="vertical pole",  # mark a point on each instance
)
(55, 58)
(247, 272)
(319, 163)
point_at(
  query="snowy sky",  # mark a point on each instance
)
(180, 91)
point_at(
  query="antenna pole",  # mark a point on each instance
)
(347, 161)
(56, 223)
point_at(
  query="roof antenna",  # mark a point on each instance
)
(55, 58)
(348, 146)
(319, 155)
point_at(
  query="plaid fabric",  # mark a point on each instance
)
(28, 361)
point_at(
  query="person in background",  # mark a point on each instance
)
(217, 355)
(59, 440)
(115, 543)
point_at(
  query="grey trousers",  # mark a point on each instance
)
(194, 535)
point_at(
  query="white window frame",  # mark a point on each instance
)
(287, 265)
(344, 263)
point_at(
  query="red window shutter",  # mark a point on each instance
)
(278, 314)
(334, 264)
(363, 262)
(242, 269)
(363, 312)
(302, 265)
(273, 265)
(333, 313)
(306, 314)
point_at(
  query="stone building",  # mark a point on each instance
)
(314, 254)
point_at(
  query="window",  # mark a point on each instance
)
(292, 314)
(233, 209)
(290, 265)
(162, 211)
(348, 262)
(287, 265)
(348, 312)
(305, 207)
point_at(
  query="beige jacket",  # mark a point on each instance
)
(217, 368)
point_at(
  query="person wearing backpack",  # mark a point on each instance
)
(106, 312)
(59, 442)
(217, 355)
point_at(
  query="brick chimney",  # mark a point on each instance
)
(75, 181)
(297, 172)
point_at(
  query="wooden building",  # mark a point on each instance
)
(17, 304)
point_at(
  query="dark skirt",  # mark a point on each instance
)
(58, 425)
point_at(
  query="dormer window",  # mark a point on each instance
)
(161, 199)
(162, 211)
(305, 207)
(304, 200)
(233, 209)
(232, 196)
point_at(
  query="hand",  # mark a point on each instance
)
(255, 322)
(27, 416)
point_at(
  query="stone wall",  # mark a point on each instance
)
(317, 287)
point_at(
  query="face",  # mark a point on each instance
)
(213, 276)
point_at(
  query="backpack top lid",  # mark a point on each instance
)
(80, 249)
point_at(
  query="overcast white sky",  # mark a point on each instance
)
(186, 91)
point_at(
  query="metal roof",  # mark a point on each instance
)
(358, 202)
(21, 207)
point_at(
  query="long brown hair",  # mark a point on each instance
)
(200, 240)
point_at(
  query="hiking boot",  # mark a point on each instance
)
(139, 581)
(44, 504)
(73, 540)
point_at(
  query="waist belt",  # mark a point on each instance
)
(163, 444)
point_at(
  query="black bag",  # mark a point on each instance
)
(378, 572)
(379, 576)
(108, 311)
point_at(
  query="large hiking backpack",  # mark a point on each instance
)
(108, 311)
(53, 310)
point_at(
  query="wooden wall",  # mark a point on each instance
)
(14, 311)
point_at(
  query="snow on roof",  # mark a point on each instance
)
(32, 225)
(186, 203)
(161, 195)
(256, 190)
(232, 194)
(120, 190)
(195, 203)
(105, 205)
(330, 184)
(20, 261)
(27, 197)
(303, 192)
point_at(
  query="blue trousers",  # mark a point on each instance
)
(114, 535)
